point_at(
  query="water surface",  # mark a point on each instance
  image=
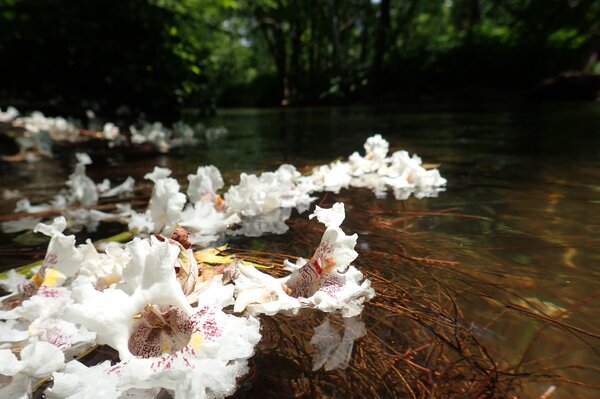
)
(524, 199)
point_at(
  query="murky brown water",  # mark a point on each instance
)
(521, 217)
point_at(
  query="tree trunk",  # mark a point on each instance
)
(381, 44)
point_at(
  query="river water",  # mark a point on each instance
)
(521, 215)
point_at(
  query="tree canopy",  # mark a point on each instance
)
(161, 55)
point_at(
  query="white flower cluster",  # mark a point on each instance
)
(262, 203)
(40, 131)
(259, 204)
(77, 202)
(175, 324)
(404, 174)
(130, 299)
(58, 128)
(169, 334)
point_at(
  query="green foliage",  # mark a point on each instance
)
(161, 55)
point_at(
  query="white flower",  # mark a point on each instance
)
(12, 331)
(205, 183)
(141, 222)
(38, 359)
(64, 335)
(10, 114)
(79, 381)
(155, 134)
(376, 148)
(12, 282)
(403, 174)
(259, 293)
(148, 278)
(124, 188)
(157, 174)
(250, 197)
(257, 195)
(332, 177)
(61, 253)
(162, 341)
(204, 223)
(82, 189)
(110, 131)
(58, 128)
(17, 387)
(166, 203)
(326, 282)
(58, 203)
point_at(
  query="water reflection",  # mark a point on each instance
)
(333, 350)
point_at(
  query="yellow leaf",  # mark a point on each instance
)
(212, 255)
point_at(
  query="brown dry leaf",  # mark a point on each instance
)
(187, 272)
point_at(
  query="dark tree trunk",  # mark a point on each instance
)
(381, 45)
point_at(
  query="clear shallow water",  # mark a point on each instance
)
(524, 186)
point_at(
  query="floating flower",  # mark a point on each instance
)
(162, 341)
(259, 195)
(205, 223)
(166, 204)
(204, 184)
(376, 148)
(326, 282)
(77, 203)
(82, 189)
(79, 381)
(8, 115)
(38, 359)
(332, 177)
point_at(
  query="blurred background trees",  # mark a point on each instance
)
(158, 56)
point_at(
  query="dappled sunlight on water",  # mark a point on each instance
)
(514, 240)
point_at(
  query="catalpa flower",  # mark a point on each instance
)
(165, 207)
(8, 115)
(65, 257)
(41, 315)
(204, 184)
(376, 148)
(326, 282)
(332, 177)
(37, 359)
(83, 190)
(259, 195)
(162, 341)
(205, 223)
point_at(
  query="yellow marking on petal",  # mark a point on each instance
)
(165, 343)
(196, 340)
(110, 279)
(53, 278)
(37, 279)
